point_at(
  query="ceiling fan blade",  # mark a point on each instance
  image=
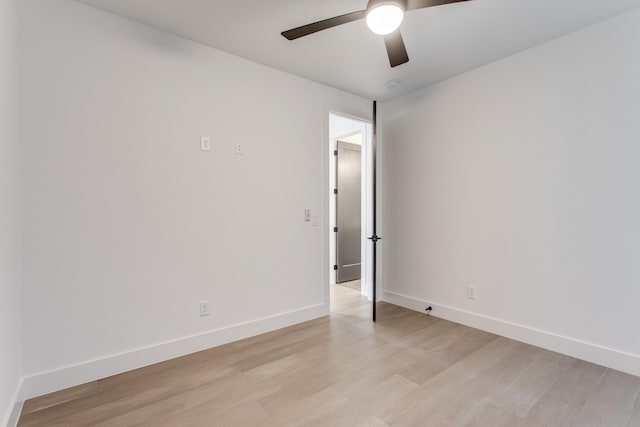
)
(421, 4)
(325, 24)
(395, 49)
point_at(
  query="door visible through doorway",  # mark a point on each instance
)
(348, 211)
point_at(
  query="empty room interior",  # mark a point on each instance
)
(319, 213)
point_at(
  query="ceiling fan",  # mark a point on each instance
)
(383, 18)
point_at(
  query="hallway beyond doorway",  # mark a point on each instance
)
(348, 301)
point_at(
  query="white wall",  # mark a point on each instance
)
(129, 225)
(10, 236)
(522, 178)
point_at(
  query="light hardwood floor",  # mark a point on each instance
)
(406, 370)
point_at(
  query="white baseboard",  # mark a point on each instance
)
(14, 409)
(611, 358)
(70, 376)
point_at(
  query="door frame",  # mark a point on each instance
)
(367, 200)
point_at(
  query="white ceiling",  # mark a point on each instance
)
(442, 41)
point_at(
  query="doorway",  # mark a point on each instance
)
(350, 204)
(348, 229)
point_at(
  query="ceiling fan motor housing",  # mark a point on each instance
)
(402, 4)
(383, 17)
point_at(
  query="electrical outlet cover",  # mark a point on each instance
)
(205, 308)
(205, 143)
(471, 292)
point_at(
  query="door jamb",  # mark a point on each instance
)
(367, 196)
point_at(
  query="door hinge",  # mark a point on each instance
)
(335, 267)
(335, 152)
(335, 191)
(335, 229)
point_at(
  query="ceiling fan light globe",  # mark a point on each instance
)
(385, 18)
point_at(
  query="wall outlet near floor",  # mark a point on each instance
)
(471, 292)
(205, 143)
(205, 308)
(239, 149)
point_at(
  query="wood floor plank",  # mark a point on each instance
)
(308, 410)
(372, 421)
(444, 387)
(491, 415)
(612, 402)
(384, 396)
(224, 394)
(124, 396)
(532, 382)
(634, 418)
(207, 415)
(487, 386)
(408, 369)
(562, 404)
(348, 415)
(54, 399)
